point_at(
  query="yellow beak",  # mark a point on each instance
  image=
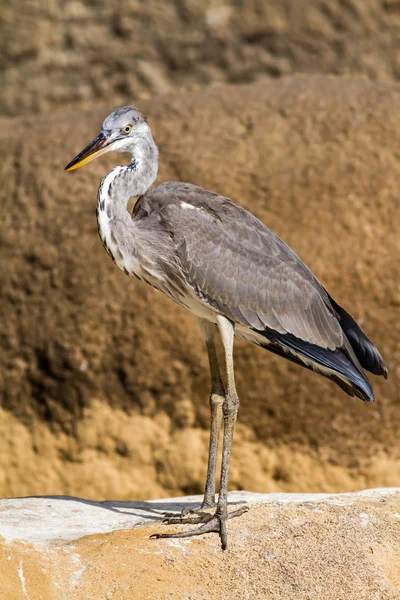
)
(96, 148)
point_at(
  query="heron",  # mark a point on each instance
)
(218, 261)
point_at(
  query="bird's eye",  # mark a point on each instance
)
(127, 129)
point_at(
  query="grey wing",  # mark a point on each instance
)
(237, 266)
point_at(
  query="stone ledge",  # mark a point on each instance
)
(289, 546)
(66, 518)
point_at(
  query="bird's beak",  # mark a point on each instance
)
(97, 147)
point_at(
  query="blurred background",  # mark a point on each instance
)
(291, 108)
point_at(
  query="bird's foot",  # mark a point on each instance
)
(200, 515)
(183, 519)
(212, 523)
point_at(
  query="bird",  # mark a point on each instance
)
(218, 261)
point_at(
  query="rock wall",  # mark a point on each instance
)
(104, 382)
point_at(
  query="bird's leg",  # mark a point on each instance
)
(217, 522)
(217, 398)
(230, 410)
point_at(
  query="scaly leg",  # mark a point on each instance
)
(230, 410)
(217, 398)
(217, 522)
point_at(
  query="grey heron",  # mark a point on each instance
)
(221, 263)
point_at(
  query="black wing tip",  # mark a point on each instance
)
(384, 370)
(336, 364)
(366, 396)
(379, 369)
(356, 384)
(368, 355)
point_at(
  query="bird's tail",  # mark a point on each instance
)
(340, 365)
(369, 357)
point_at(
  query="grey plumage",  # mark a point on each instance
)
(220, 262)
(237, 267)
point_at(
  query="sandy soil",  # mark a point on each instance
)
(105, 383)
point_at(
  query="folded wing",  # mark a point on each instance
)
(241, 269)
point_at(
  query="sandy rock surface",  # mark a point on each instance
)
(56, 54)
(288, 546)
(121, 373)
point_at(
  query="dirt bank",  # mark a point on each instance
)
(60, 54)
(315, 158)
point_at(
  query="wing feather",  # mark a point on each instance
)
(234, 263)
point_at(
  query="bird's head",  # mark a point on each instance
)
(119, 133)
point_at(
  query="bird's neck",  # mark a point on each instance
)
(118, 186)
(123, 183)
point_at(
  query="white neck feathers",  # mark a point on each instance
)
(118, 186)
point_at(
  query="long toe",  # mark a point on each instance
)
(214, 524)
(201, 517)
(200, 510)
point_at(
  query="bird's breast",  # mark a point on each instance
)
(134, 256)
(121, 246)
(111, 240)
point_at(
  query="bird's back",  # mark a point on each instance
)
(237, 267)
